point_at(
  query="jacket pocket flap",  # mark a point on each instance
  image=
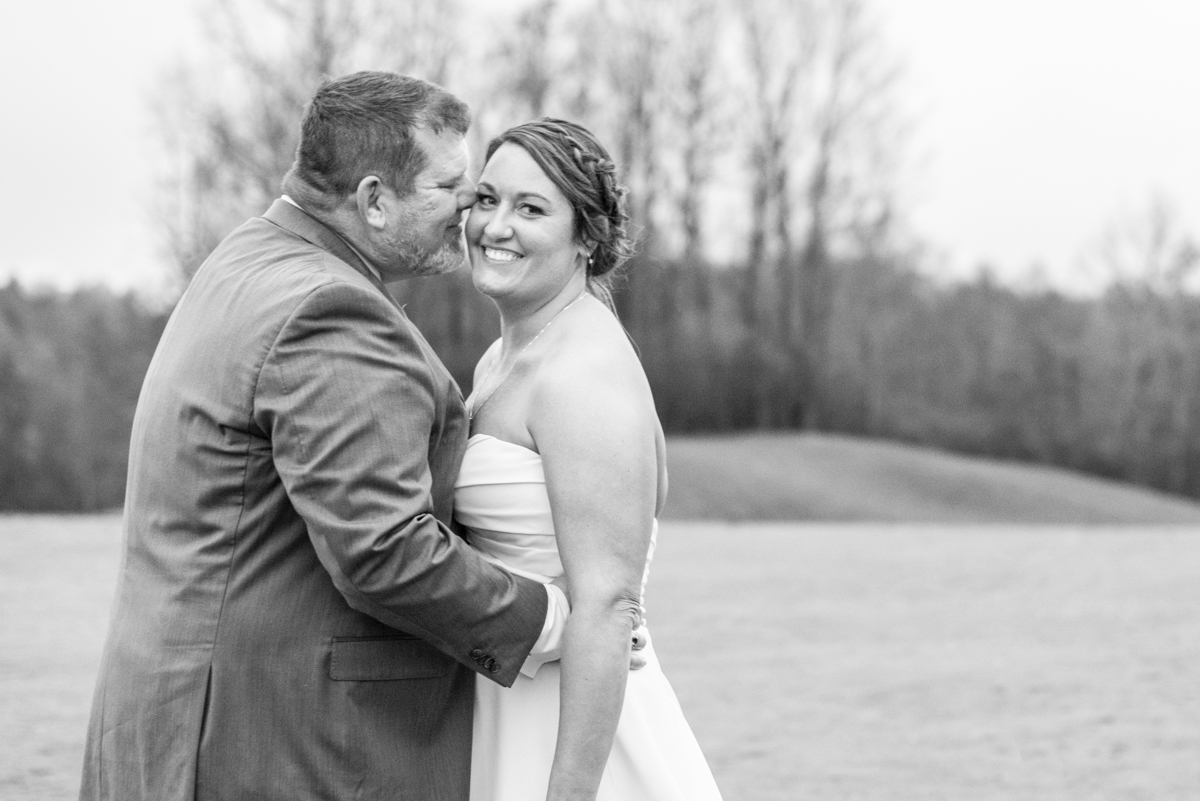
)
(386, 659)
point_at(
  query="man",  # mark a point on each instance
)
(292, 619)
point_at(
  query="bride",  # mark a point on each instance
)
(563, 476)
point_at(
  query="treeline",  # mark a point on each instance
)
(71, 366)
(1109, 385)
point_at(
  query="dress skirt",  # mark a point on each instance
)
(655, 756)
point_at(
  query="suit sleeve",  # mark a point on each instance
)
(347, 400)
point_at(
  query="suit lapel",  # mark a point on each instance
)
(313, 231)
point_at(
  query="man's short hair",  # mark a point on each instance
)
(362, 124)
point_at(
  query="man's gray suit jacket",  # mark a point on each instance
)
(293, 620)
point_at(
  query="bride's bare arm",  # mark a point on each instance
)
(594, 425)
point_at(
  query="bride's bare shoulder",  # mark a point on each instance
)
(593, 376)
(593, 349)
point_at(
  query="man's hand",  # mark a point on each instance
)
(641, 636)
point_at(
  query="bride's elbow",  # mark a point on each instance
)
(628, 609)
(621, 605)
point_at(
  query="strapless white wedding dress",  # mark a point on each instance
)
(500, 496)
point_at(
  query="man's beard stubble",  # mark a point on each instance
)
(448, 258)
(420, 260)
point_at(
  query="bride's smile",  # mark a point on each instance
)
(500, 255)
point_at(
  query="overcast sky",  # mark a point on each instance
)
(1036, 121)
(1039, 121)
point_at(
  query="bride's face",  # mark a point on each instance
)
(520, 232)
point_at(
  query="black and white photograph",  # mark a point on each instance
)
(600, 400)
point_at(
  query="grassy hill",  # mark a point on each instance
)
(830, 478)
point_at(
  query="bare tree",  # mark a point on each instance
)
(231, 129)
(1147, 248)
(524, 61)
(820, 89)
(417, 37)
(1145, 343)
(636, 44)
(699, 113)
(780, 44)
(852, 111)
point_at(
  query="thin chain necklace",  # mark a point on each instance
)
(475, 407)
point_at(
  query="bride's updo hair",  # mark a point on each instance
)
(581, 168)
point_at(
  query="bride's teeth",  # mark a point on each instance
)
(500, 255)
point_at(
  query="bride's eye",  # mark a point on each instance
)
(485, 200)
(531, 209)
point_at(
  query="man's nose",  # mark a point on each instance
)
(466, 195)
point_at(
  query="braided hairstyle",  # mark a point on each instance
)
(581, 168)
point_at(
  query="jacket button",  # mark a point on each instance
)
(492, 666)
(476, 654)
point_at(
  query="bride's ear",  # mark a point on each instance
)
(587, 250)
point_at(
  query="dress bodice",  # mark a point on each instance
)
(501, 497)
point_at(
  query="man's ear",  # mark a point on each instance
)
(369, 197)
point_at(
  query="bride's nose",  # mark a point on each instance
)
(497, 226)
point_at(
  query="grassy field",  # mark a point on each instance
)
(836, 478)
(56, 583)
(857, 661)
(916, 663)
